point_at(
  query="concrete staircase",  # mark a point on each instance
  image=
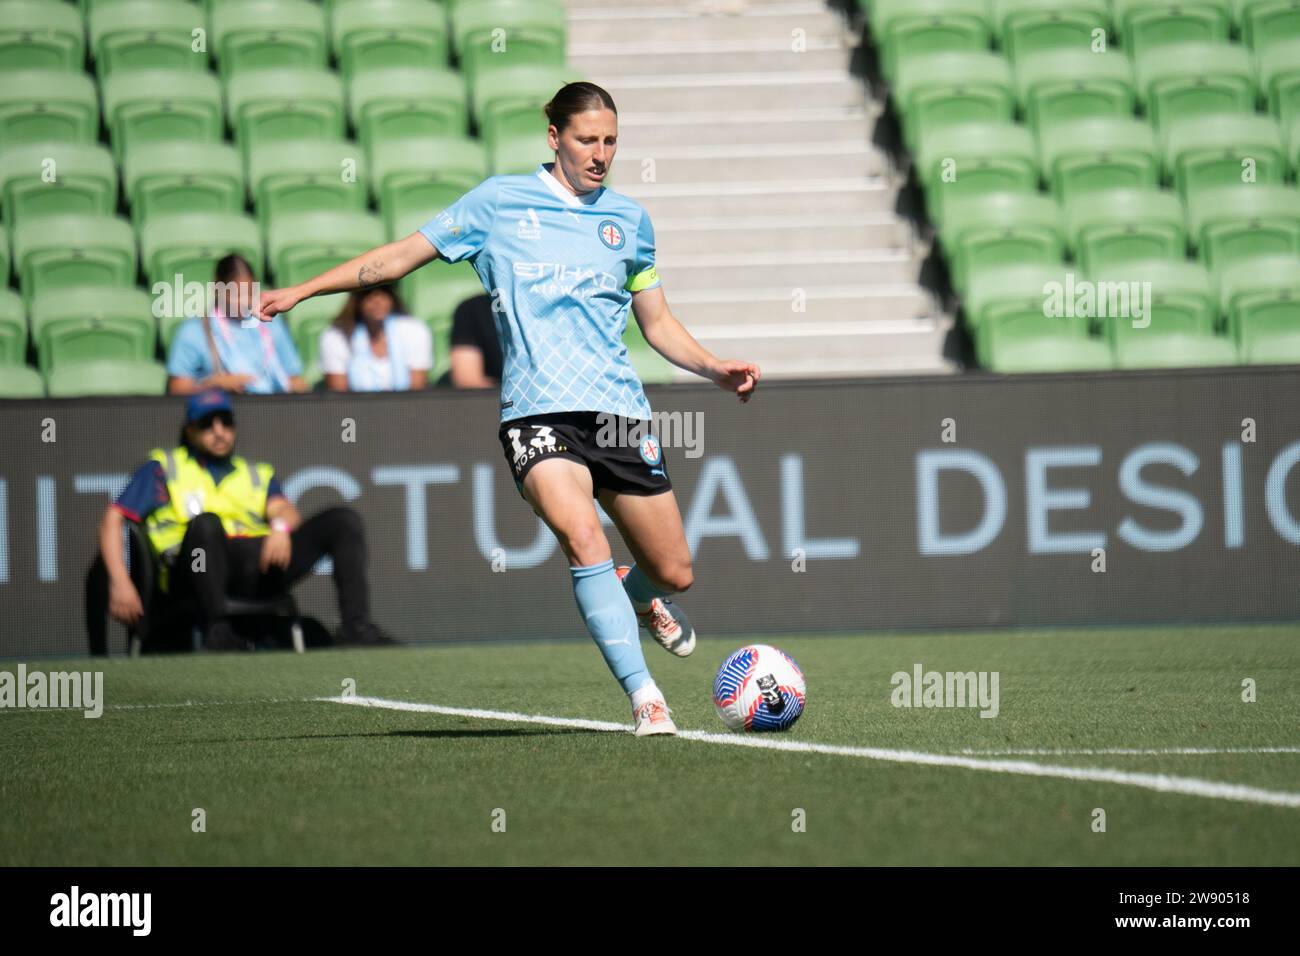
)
(744, 134)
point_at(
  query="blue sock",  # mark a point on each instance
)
(639, 588)
(609, 616)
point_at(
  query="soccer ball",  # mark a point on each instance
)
(759, 688)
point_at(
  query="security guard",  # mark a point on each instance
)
(219, 524)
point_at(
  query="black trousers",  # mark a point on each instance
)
(230, 565)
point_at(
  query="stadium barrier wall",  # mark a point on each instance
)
(921, 502)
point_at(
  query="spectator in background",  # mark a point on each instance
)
(475, 349)
(201, 495)
(374, 346)
(227, 349)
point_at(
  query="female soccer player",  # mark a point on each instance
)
(563, 258)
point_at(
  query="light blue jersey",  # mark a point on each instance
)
(561, 270)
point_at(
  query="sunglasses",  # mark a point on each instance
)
(227, 420)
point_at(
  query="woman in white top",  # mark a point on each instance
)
(374, 346)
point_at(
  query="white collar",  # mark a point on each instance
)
(554, 185)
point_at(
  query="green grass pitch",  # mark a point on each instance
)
(284, 778)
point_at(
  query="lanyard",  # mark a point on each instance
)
(272, 363)
(363, 365)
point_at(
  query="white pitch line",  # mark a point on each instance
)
(1128, 751)
(1162, 783)
(213, 703)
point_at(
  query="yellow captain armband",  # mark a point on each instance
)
(642, 280)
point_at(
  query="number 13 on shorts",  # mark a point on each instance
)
(543, 441)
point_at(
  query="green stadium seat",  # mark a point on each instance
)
(47, 106)
(191, 244)
(407, 221)
(520, 155)
(1261, 299)
(1146, 24)
(303, 175)
(52, 179)
(59, 252)
(507, 102)
(169, 178)
(146, 107)
(405, 102)
(278, 105)
(1062, 85)
(425, 175)
(13, 329)
(991, 288)
(306, 328)
(1027, 27)
(1111, 227)
(146, 35)
(1174, 350)
(494, 35)
(268, 34)
(1098, 153)
(1293, 150)
(1001, 228)
(1181, 299)
(308, 318)
(434, 291)
(21, 381)
(1007, 310)
(942, 89)
(1266, 22)
(311, 374)
(301, 245)
(1209, 151)
(387, 34)
(1195, 79)
(971, 158)
(39, 35)
(1244, 221)
(1279, 79)
(907, 28)
(75, 325)
(106, 377)
(4, 258)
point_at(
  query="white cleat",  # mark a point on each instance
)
(666, 623)
(652, 718)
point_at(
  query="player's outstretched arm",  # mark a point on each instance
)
(669, 338)
(386, 263)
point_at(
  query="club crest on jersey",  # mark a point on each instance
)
(651, 453)
(611, 234)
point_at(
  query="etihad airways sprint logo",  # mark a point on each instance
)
(76, 909)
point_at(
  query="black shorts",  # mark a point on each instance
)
(622, 454)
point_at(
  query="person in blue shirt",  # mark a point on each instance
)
(228, 349)
(564, 259)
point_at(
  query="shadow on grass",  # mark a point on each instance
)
(490, 733)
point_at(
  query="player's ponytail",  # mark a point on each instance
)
(576, 98)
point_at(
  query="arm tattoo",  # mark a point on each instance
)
(371, 275)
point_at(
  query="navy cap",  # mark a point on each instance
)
(205, 403)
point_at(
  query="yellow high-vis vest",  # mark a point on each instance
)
(239, 501)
